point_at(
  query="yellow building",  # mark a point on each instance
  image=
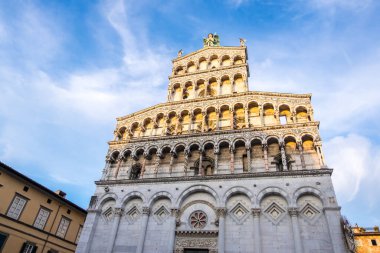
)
(367, 240)
(34, 219)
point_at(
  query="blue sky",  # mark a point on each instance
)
(69, 68)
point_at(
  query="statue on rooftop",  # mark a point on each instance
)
(212, 40)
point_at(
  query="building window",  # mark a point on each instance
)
(42, 217)
(63, 226)
(78, 235)
(3, 238)
(28, 247)
(374, 243)
(16, 207)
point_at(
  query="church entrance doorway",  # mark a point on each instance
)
(196, 251)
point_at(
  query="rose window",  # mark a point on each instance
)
(198, 220)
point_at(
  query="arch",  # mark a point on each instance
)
(238, 60)
(197, 188)
(148, 150)
(305, 190)
(191, 67)
(237, 140)
(272, 138)
(226, 60)
(208, 143)
(236, 190)
(272, 191)
(256, 138)
(224, 141)
(132, 195)
(106, 197)
(194, 143)
(202, 62)
(160, 195)
(126, 152)
(179, 147)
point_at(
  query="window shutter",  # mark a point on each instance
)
(23, 247)
(34, 249)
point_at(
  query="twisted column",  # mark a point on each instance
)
(200, 170)
(143, 166)
(217, 119)
(157, 164)
(232, 118)
(120, 160)
(186, 162)
(144, 225)
(115, 226)
(256, 229)
(106, 167)
(246, 117)
(216, 161)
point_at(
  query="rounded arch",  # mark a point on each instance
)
(126, 152)
(208, 143)
(150, 148)
(197, 188)
(238, 140)
(178, 146)
(114, 155)
(237, 190)
(272, 138)
(105, 198)
(272, 191)
(256, 139)
(159, 195)
(308, 190)
(228, 142)
(132, 195)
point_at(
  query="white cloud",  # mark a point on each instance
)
(354, 159)
(347, 4)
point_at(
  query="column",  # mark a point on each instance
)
(190, 122)
(217, 119)
(311, 114)
(143, 166)
(204, 115)
(144, 225)
(232, 160)
(218, 88)
(221, 212)
(249, 169)
(300, 149)
(256, 229)
(277, 115)
(318, 148)
(246, 117)
(200, 170)
(87, 236)
(173, 227)
(115, 226)
(157, 164)
(262, 116)
(186, 162)
(283, 156)
(120, 160)
(106, 168)
(216, 160)
(265, 149)
(172, 156)
(232, 118)
(293, 212)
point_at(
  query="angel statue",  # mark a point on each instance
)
(242, 42)
(212, 40)
(180, 52)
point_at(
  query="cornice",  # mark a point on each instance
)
(209, 70)
(220, 97)
(206, 49)
(281, 174)
(217, 132)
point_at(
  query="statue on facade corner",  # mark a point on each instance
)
(242, 42)
(212, 40)
(180, 52)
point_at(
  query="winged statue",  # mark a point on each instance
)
(212, 40)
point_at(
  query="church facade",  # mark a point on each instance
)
(217, 168)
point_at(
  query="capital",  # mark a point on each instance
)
(221, 212)
(293, 211)
(119, 211)
(145, 210)
(174, 212)
(256, 212)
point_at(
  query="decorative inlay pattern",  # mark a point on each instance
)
(133, 214)
(274, 212)
(239, 213)
(310, 213)
(161, 214)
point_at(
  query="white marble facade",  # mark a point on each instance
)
(213, 171)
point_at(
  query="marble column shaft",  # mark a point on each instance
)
(256, 230)
(115, 226)
(221, 235)
(173, 227)
(293, 212)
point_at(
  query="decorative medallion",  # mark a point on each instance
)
(198, 219)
